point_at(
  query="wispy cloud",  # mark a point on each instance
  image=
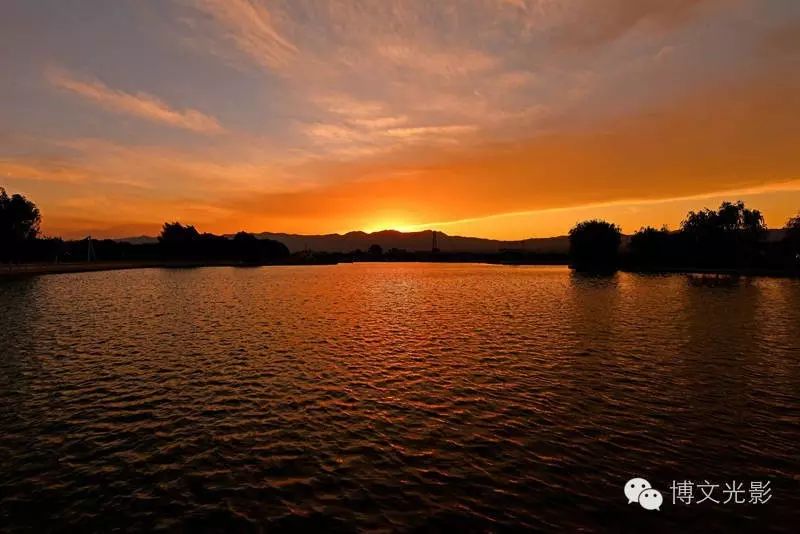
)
(378, 123)
(41, 170)
(349, 107)
(436, 62)
(250, 27)
(587, 23)
(424, 131)
(339, 110)
(361, 127)
(142, 105)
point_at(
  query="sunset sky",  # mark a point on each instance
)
(491, 118)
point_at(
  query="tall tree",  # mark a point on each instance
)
(19, 224)
(726, 237)
(650, 247)
(594, 246)
(730, 217)
(177, 233)
(19, 218)
(792, 237)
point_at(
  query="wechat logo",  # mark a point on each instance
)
(639, 490)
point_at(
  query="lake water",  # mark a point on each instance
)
(393, 397)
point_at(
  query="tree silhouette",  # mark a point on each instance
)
(728, 236)
(594, 246)
(792, 237)
(249, 248)
(650, 247)
(179, 241)
(730, 217)
(19, 223)
(244, 237)
(375, 250)
(177, 233)
(184, 242)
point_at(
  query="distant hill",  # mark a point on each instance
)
(140, 240)
(417, 241)
(410, 241)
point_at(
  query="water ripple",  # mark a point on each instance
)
(391, 397)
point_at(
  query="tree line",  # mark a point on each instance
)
(730, 237)
(185, 242)
(20, 241)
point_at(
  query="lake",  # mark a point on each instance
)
(394, 397)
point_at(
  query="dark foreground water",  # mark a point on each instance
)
(394, 397)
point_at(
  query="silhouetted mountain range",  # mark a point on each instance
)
(410, 241)
(419, 241)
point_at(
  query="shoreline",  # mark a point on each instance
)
(34, 269)
(749, 272)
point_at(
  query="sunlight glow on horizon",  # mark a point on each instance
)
(503, 120)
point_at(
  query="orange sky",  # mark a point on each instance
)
(494, 118)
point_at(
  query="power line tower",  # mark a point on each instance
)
(434, 243)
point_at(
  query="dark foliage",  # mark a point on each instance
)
(19, 226)
(185, 242)
(650, 247)
(594, 246)
(177, 233)
(791, 241)
(792, 237)
(732, 237)
(176, 243)
(727, 237)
